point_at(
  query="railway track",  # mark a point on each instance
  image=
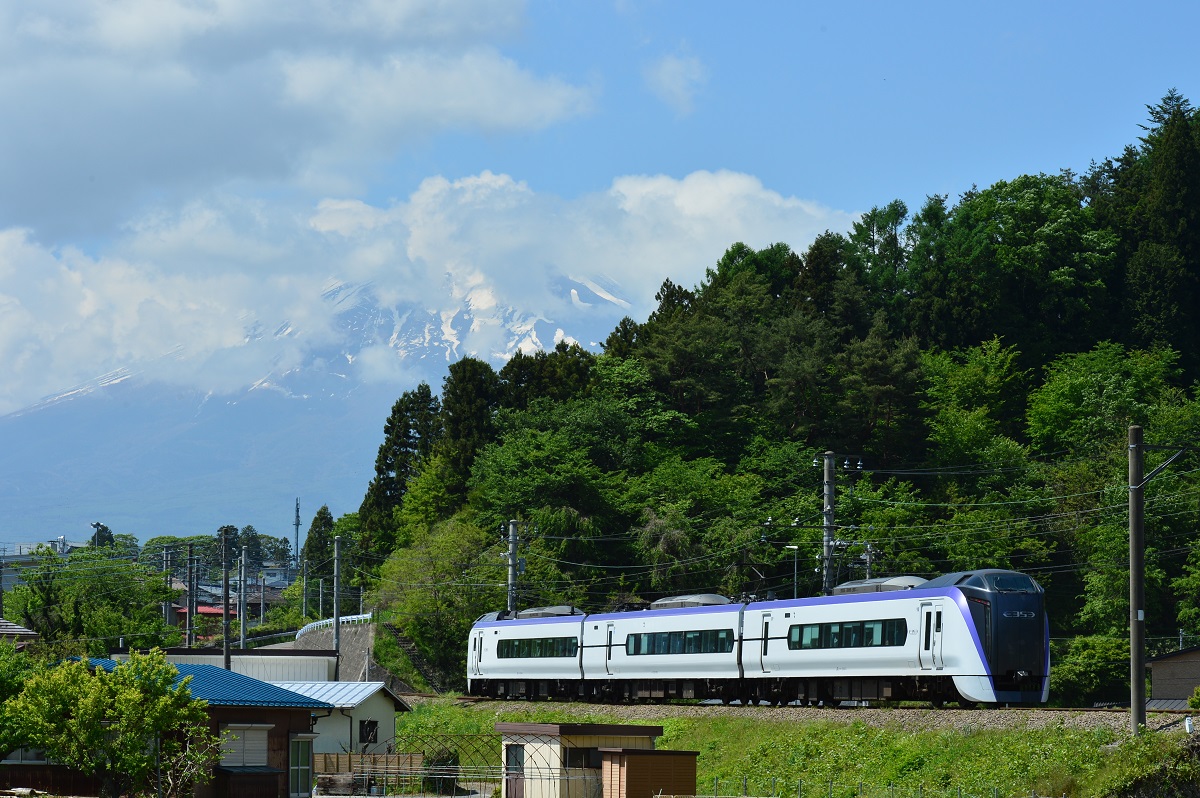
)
(910, 718)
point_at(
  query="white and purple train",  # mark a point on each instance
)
(976, 637)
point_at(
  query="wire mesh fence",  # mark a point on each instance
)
(466, 765)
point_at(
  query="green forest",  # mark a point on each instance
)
(973, 365)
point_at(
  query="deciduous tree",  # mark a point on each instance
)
(119, 726)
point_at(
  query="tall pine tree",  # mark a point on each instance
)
(411, 432)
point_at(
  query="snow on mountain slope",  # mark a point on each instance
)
(150, 458)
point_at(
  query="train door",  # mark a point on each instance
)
(608, 649)
(766, 640)
(476, 652)
(930, 653)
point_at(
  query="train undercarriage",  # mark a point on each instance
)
(937, 690)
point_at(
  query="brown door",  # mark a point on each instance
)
(514, 771)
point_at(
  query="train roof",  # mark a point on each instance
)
(994, 579)
(880, 584)
(694, 600)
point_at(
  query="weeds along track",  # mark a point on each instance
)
(906, 718)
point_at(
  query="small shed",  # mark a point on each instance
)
(642, 773)
(572, 760)
(1173, 678)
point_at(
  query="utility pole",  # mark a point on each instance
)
(167, 576)
(827, 526)
(1137, 569)
(337, 611)
(1137, 587)
(190, 633)
(242, 600)
(512, 566)
(225, 598)
(297, 522)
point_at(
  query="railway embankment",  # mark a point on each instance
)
(907, 718)
(864, 751)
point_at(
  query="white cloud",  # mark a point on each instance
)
(226, 293)
(675, 80)
(414, 93)
(111, 105)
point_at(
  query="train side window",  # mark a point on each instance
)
(766, 636)
(928, 629)
(938, 622)
(794, 637)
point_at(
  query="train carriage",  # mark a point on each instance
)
(976, 636)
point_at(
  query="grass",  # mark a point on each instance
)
(389, 655)
(775, 757)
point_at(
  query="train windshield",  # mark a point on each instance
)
(1012, 583)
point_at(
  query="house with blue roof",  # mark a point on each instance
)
(270, 732)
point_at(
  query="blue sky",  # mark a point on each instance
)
(179, 174)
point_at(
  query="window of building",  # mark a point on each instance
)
(25, 756)
(245, 744)
(584, 758)
(368, 732)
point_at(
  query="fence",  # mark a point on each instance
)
(345, 619)
(467, 765)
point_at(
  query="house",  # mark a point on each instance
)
(1173, 678)
(364, 718)
(269, 749)
(272, 732)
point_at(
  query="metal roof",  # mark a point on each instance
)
(342, 695)
(10, 629)
(222, 688)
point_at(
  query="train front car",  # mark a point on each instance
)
(1011, 631)
(534, 653)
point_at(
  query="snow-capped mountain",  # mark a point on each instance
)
(150, 457)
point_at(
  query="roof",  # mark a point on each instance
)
(10, 629)
(1173, 654)
(222, 688)
(343, 695)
